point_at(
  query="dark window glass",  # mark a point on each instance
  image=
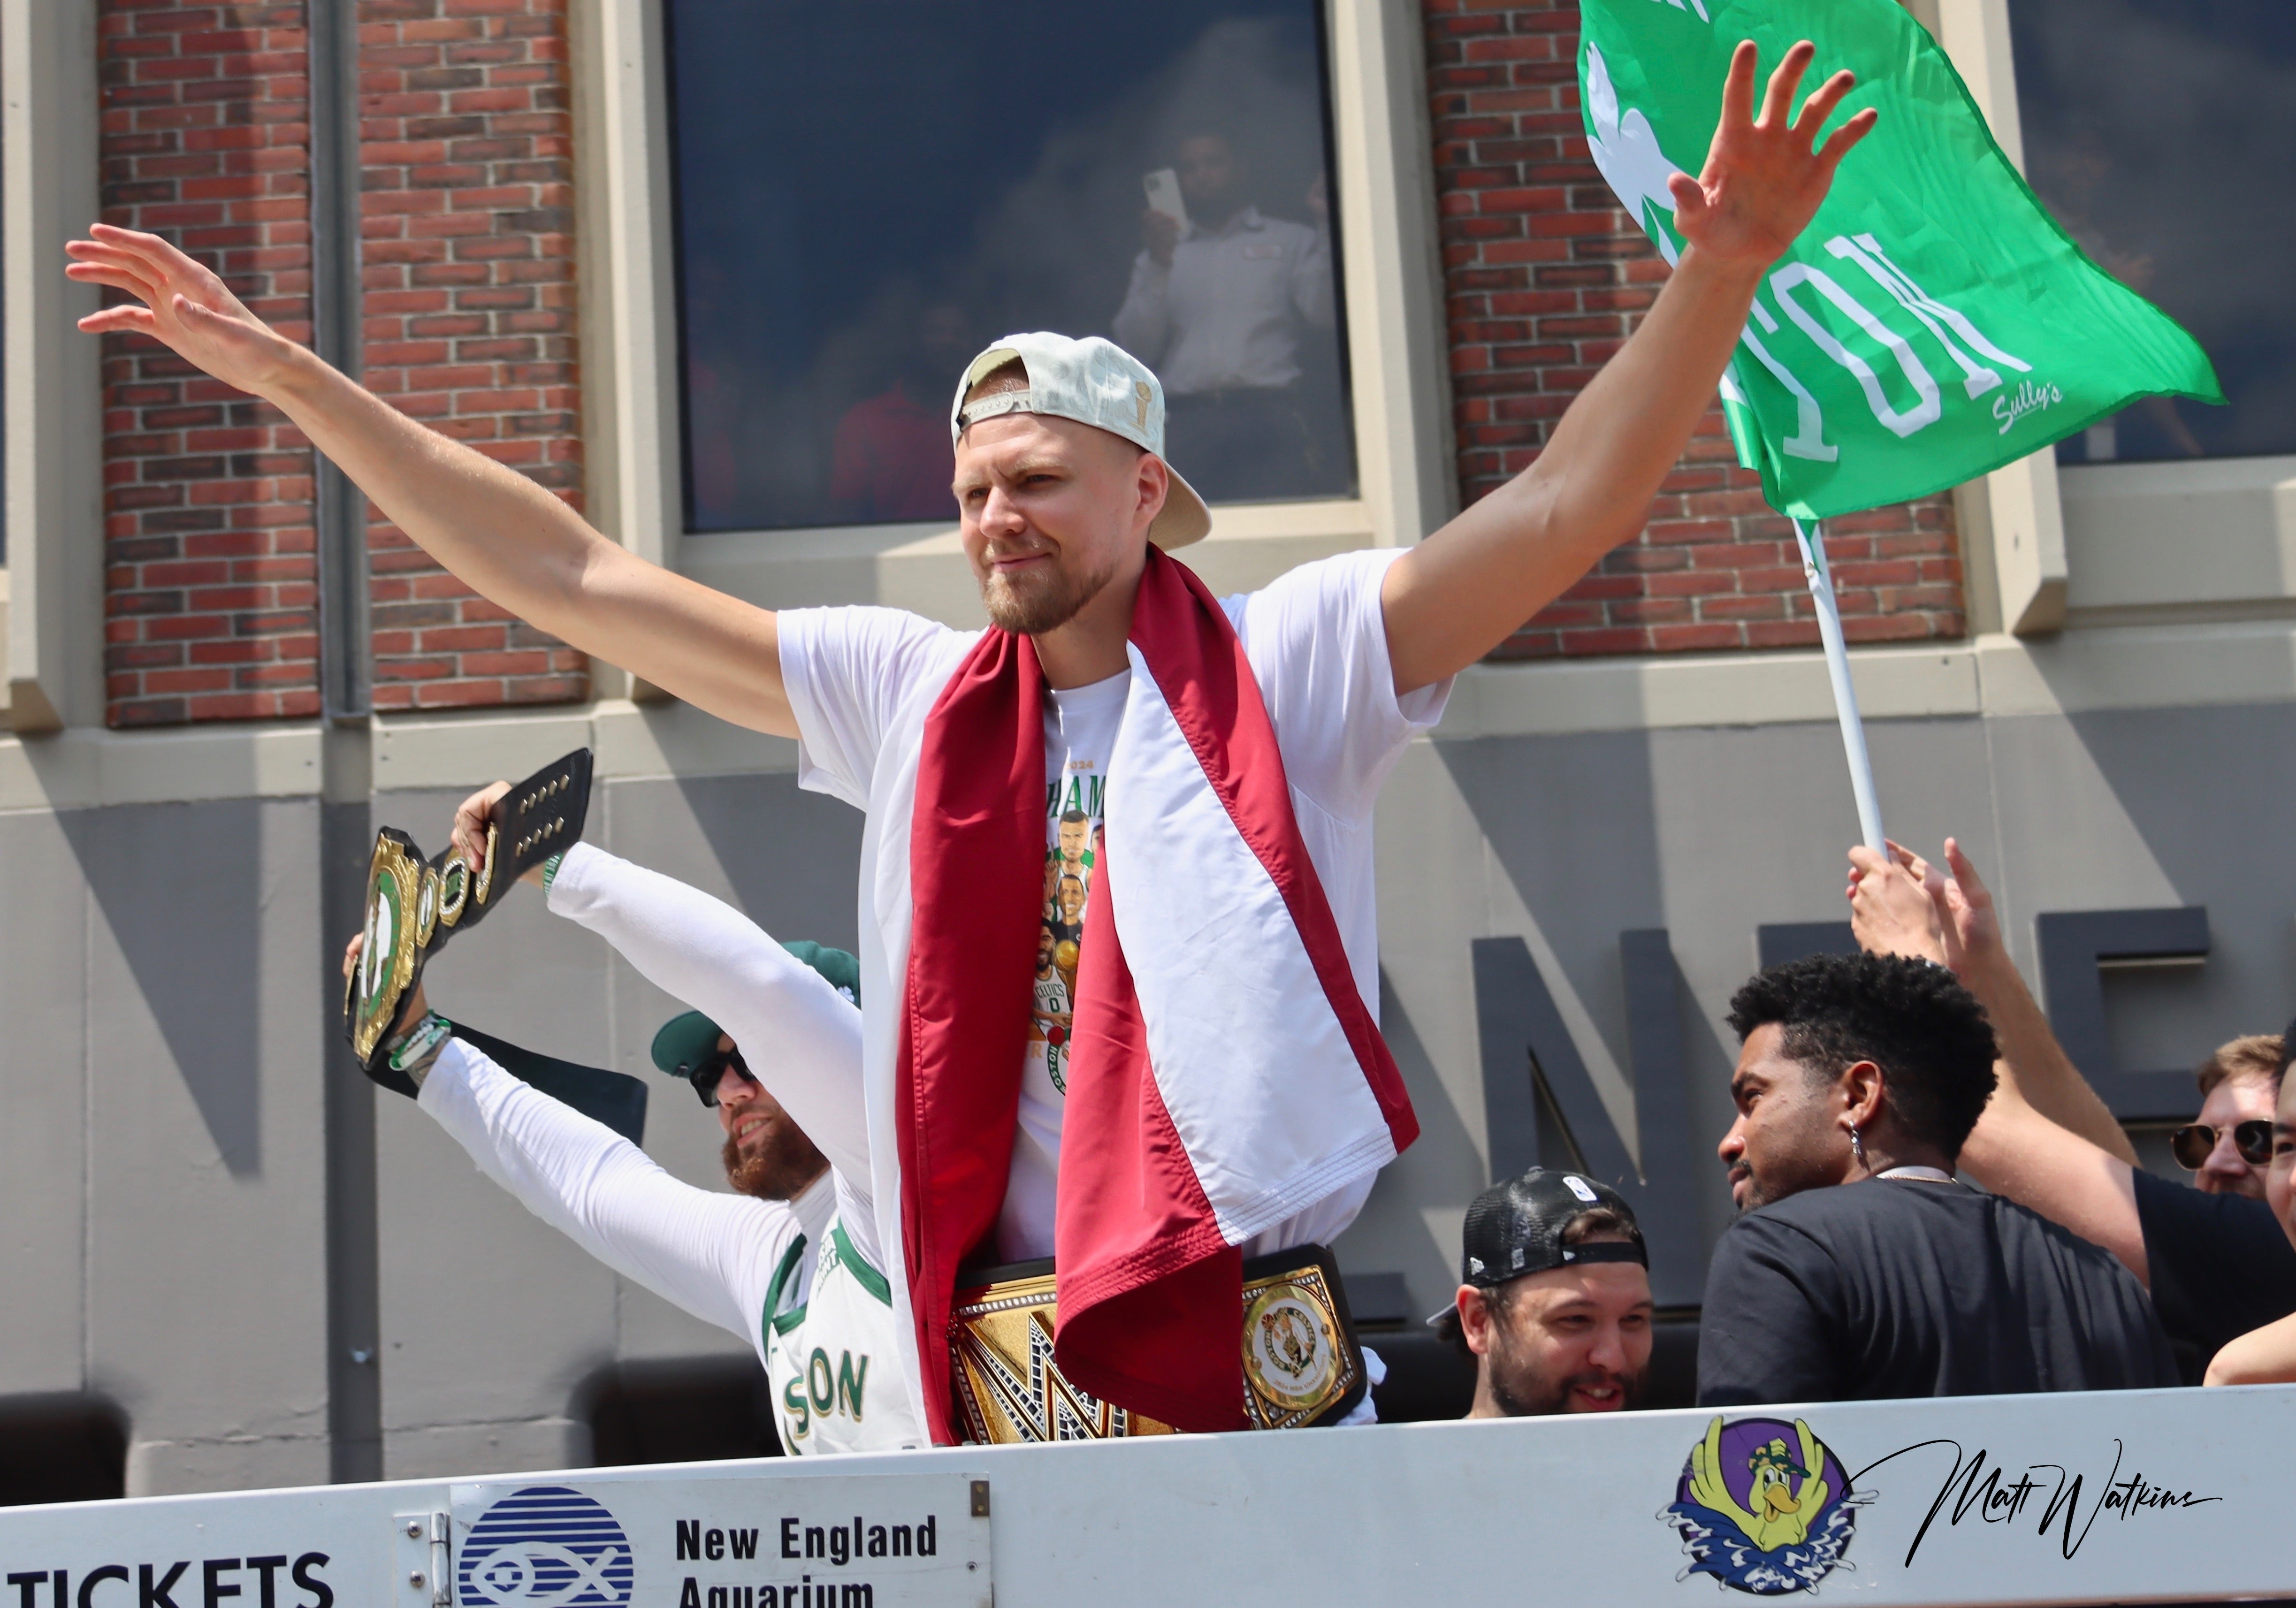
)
(2159, 132)
(870, 191)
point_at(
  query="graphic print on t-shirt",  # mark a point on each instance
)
(1074, 802)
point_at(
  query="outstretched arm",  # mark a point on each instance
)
(702, 1250)
(1457, 594)
(495, 530)
(800, 1038)
(2041, 1140)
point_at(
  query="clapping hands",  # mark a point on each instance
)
(1902, 904)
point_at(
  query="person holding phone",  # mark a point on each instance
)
(1220, 300)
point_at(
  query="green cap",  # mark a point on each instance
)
(688, 1041)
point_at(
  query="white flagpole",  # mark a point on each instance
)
(1845, 695)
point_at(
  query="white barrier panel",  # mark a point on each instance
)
(2155, 1495)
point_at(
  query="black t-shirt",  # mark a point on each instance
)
(2219, 1264)
(1892, 1287)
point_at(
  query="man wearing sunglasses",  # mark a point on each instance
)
(787, 1260)
(2227, 1147)
(2267, 1355)
(2214, 1258)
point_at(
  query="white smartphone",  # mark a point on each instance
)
(1164, 187)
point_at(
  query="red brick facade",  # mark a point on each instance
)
(1545, 277)
(470, 325)
(210, 596)
(467, 145)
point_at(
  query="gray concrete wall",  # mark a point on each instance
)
(1710, 833)
(167, 1005)
(161, 1186)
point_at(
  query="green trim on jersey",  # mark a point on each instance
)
(866, 1276)
(781, 1323)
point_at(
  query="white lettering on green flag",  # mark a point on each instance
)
(1934, 322)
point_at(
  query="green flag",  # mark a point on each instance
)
(1933, 322)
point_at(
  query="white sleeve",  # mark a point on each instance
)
(1318, 641)
(712, 1254)
(845, 672)
(1144, 323)
(1311, 280)
(799, 1036)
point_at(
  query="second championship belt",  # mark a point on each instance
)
(1302, 1364)
(414, 906)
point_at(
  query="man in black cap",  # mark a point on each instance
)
(1860, 1268)
(1554, 1299)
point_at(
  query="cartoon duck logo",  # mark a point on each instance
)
(1765, 1507)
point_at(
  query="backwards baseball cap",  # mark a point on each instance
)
(1093, 382)
(1516, 1227)
(687, 1042)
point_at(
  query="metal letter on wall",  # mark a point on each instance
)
(1525, 1045)
(2075, 948)
(1781, 942)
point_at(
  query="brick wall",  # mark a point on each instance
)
(211, 594)
(210, 602)
(1545, 277)
(467, 147)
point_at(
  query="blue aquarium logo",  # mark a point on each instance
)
(1765, 1507)
(545, 1546)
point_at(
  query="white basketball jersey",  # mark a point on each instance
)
(831, 1353)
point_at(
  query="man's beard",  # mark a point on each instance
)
(1520, 1393)
(779, 1172)
(1047, 607)
(1757, 1196)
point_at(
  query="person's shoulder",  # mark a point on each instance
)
(1806, 1216)
(1285, 230)
(1341, 574)
(2168, 1211)
(1825, 1205)
(830, 655)
(870, 626)
(1311, 601)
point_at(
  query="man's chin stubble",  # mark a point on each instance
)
(1547, 1398)
(1047, 611)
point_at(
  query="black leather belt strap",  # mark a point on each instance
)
(414, 906)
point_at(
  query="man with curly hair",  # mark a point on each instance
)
(1859, 1268)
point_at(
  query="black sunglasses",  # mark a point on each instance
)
(705, 1077)
(2192, 1143)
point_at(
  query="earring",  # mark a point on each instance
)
(1858, 1149)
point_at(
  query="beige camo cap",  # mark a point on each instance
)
(1096, 382)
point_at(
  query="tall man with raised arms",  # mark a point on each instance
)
(1227, 1090)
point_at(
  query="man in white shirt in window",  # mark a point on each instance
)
(1226, 1089)
(1217, 307)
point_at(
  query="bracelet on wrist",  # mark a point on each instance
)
(413, 1051)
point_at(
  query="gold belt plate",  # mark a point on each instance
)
(1300, 1361)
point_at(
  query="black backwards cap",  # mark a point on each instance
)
(1516, 1227)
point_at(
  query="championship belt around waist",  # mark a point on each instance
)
(414, 906)
(1301, 1363)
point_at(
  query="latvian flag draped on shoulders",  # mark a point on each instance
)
(1225, 1073)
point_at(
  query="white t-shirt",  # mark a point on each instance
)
(1079, 735)
(863, 683)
